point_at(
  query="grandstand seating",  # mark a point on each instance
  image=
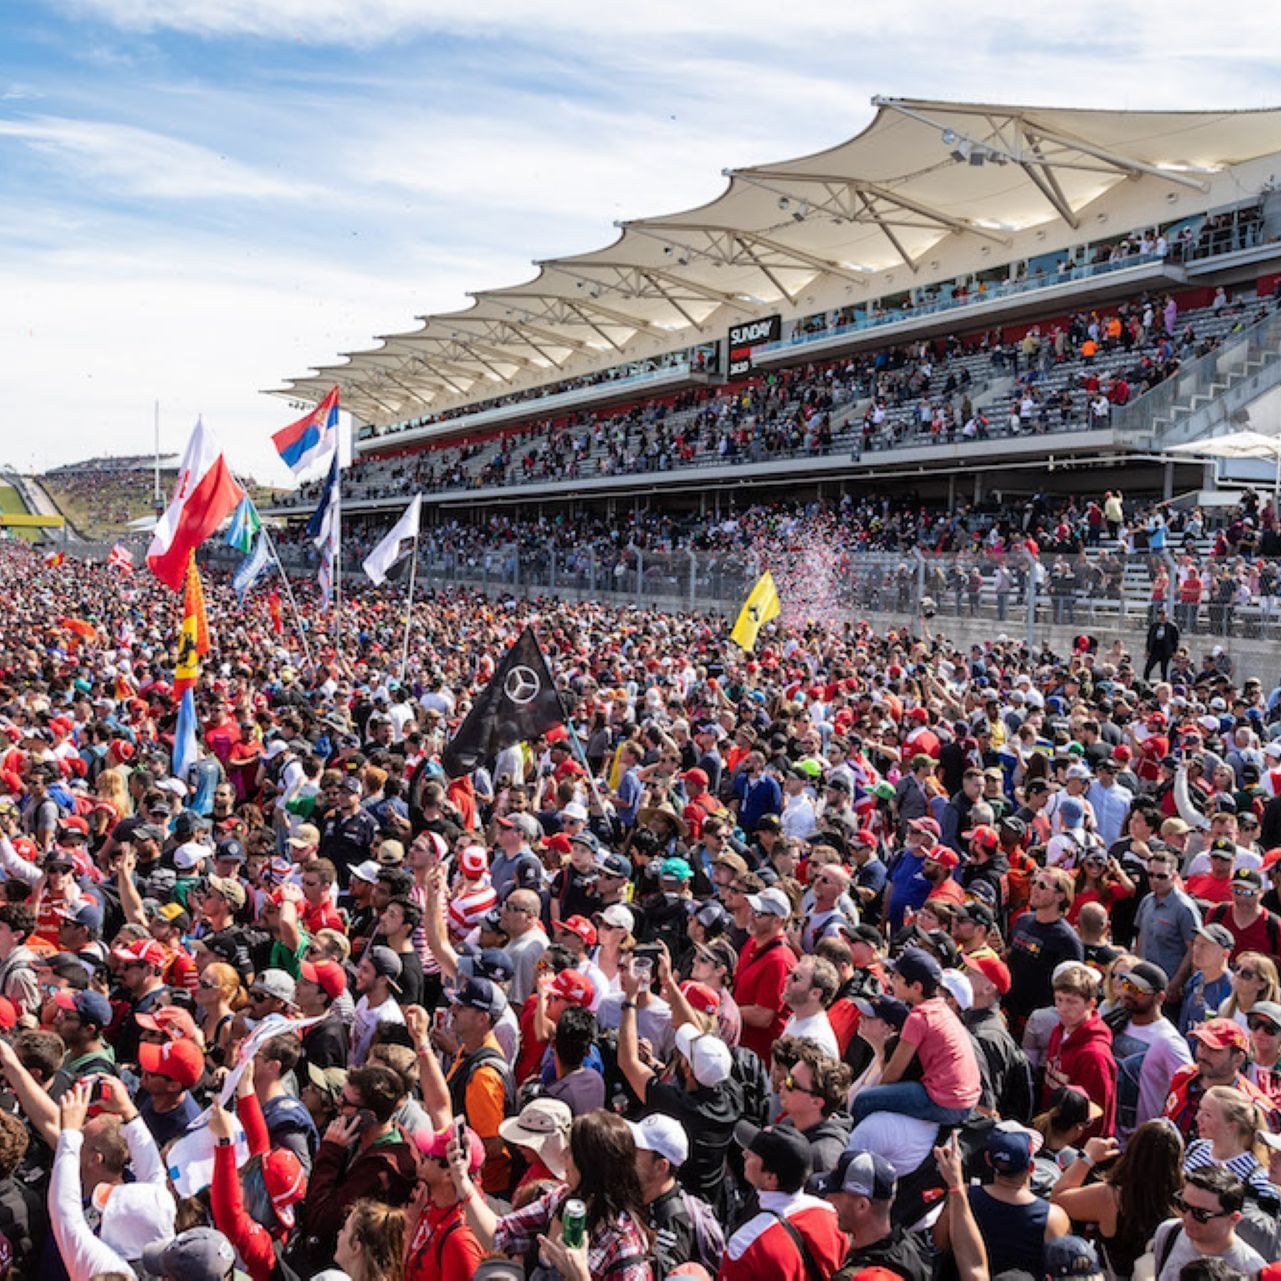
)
(853, 405)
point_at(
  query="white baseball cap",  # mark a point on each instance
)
(772, 902)
(708, 1056)
(962, 991)
(187, 856)
(617, 914)
(663, 1135)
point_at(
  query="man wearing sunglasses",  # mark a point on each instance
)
(1209, 1210)
(1167, 921)
(1264, 1023)
(1251, 925)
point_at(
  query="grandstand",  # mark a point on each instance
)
(100, 497)
(956, 300)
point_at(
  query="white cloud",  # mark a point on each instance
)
(137, 162)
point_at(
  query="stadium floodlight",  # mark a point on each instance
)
(962, 151)
(784, 202)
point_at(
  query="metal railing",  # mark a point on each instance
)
(989, 292)
(1101, 586)
(1192, 402)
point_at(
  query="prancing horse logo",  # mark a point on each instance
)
(522, 685)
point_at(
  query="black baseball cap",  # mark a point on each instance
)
(916, 965)
(478, 994)
(784, 1151)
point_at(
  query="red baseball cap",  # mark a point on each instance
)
(695, 776)
(1221, 1034)
(148, 951)
(180, 1061)
(573, 987)
(704, 999)
(558, 843)
(328, 976)
(983, 835)
(580, 926)
(286, 1182)
(175, 1022)
(943, 856)
(929, 825)
(864, 836)
(993, 969)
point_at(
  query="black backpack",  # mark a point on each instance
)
(749, 1073)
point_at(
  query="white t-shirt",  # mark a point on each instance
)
(1167, 1052)
(816, 1028)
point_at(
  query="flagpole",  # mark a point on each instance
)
(284, 578)
(338, 550)
(409, 611)
(587, 769)
(289, 593)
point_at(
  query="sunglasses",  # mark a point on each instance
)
(1241, 891)
(1200, 1215)
(1246, 974)
(208, 985)
(791, 1083)
(1158, 876)
(1266, 1026)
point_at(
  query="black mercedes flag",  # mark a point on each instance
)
(518, 704)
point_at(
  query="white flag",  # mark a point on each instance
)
(379, 561)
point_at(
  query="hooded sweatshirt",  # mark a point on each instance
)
(1084, 1059)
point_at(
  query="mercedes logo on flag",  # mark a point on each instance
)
(522, 685)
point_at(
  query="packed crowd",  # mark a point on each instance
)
(1065, 375)
(854, 956)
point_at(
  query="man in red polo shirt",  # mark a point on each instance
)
(939, 864)
(766, 962)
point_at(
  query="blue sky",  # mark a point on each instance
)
(199, 198)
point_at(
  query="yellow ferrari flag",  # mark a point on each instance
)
(759, 608)
(193, 634)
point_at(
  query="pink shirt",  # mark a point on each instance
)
(949, 1069)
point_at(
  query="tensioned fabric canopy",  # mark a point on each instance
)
(919, 173)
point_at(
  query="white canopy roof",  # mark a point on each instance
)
(1239, 444)
(920, 174)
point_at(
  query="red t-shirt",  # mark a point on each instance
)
(949, 1068)
(439, 1250)
(949, 891)
(1258, 936)
(759, 981)
(1210, 889)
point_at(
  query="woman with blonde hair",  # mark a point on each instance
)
(371, 1242)
(219, 995)
(1229, 1124)
(111, 788)
(1254, 979)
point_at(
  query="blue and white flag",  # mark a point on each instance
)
(184, 739)
(252, 568)
(325, 528)
(245, 523)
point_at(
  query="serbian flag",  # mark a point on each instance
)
(193, 635)
(206, 495)
(311, 438)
